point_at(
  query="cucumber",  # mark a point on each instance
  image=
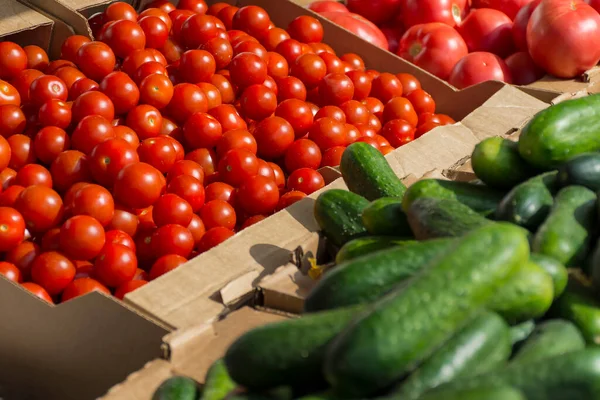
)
(289, 352)
(582, 309)
(558, 272)
(520, 332)
(367, 173)
(218, 383)
(480, 198)
(550, 338)
(338, 213)
(497, 162)
(479, 393)
(367, 245)
(567, 232)
(528, 294)
(396, 333)
(571, 376)
(582, 170)
(177, 388)
(386, 217)
(593, 266)
(529, 203)
(561, 132)
(368, 278)
(432, 218)
(482, 345)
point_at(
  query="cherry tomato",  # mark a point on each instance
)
(520, 21)
(118, 11)
(115, 265)
(237, 165)
(479, 67)
(305, 180)
(213, 237)
(303, 153)
(82, 86)
(253, 20)
(68, 168)
(124, 37)
(155, 30)
(218, 213)
(21, 151)
(224, 87)
(91, 200)
(172, 239)
(236, 139)
(247, 69)
(92, 103)
(398, 132)
(122, 90)
(187, 99)
(289, 198)
(258, 102)
(12, 120)
(156, 90)
(172, 209)
(327, 132)
(298, 115)
(47, 87)
(41, 208)
(11, 272)
(258, 195)
(9, 196)
(138, 185)
(450, 12)
(400, 108)
(273, 135)
(128, 287)
(95, 60)
(91, 131)
(33, 174)
(228, 117)
(12, 228)
(53, 271)
(13, 60)
(165, 264)
(385, 87)
(188, 188)
(82, 237)
(38, 291)
(220, 191)
(9, 94)
(202, 130)
(120, 237)
(355, 112)
(336, 88)
(310, 69)
(306, 29)
(108, 158)
(124, 221)
(158, 152)
(54, 113)
(290, 88)
(81, 286)
(508, 7)
(333, 156)
(333, 112)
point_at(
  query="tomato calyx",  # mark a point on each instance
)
(456, 13)
(415, 49)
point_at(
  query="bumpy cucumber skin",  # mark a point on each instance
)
(432, 218)
(218, 383)
(482, 345)
(396, 333)
(567, 232)
(558, 272)
(367, 245)
(571, 376)
(583, 170)
(561, 132)
(386, 217)
(550, 338)
(289, 352)
(367, 173)
(528, 294)
(338, 213)
(529, 203)
(479, 393)
(583, 310)
(481, 199)
(177, 388)
(368, 278)
(497, 162)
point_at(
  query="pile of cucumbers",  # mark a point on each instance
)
(482, 290)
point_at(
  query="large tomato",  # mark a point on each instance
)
(594, 3)
(564, 37)
(479, 67)
(376, 11)
(435, 47)
(508, 7)
(359, 26)
(488, 30)
(327, 6)
(519, 29)
(522, 68)
(450, 12)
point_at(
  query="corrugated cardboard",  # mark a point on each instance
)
(192, 352)
(23, 25)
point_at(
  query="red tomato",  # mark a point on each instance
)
(258, 195)
(188, 188)
(385, 87)
(479, 67)
(9, 196)
(9, 94)
(237, 165)
(333, 112)
(33, 174)
(327, 5)
(21, 151)
(290, 87)
(252, 220)
(196, 228)
(186, 167)
(449, 12)
(305, 180)
(274, 135)
(257, 102)
(327, 132)
(108, 158)
(196, 66)
(421, 101)
(187, 99)
(310, 69)
(213, 237)
(522, 69)
(22, 256)
(297, 113)
(92, 103)
(564, 37)
(377, 11)
(13, 60)
(11, 272)
(519, 29)
(508, 7)
(358, 25)
(92, 200)
(124, 37)
(488, 30)
(400, 108)
(156, 31)
(306, 29)
(124, 221)
(120, 237)
(145, 120)
(81, 237)
(236, 139)
(594, 3)
(251, 19)
(120, 10)
(289, 198)
(128, 287)
(91, 131)
(122, 90)
(52, 271)
(81, 286)
(398, 132)
(171, 209)
(53, 112)
(336, 88)
(247, 69)
(12, 228)
(38, 291)
(303, 153)
(139, 185)
(12, 120)
(41, 208)
(218, 213)
(95, 60)
(115, 265)
(158, 152)
(333, 156)
(172, 239)
(165, 264)
(47, 87)
(435, 47)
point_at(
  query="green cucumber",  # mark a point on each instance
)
(367, 245)
(396, 333)
(520, 332)
(478, 393)
(367, 173)
(289, 352)
(482, 345)
(497, 162)
(529, 203)
(561, 132)
(432, 218)
(571, 376)
(593, 265)
(480, 198)
(367, 278)
(582, 170)
(558, 272)
(567, 232)
(338, 213)
(177, 388)
(580, 307)
(528, 294)
(218, 383)
(386, 217)
(550, 338)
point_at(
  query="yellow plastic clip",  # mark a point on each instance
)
(315, 271)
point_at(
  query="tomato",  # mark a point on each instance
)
(332, 157)
(273, 135)
(172, 209)
(120, 237)
(53, 271)
(253, 20)
(385, 87)
(12, 228)
(197, 6)
(124, 37)
(522, 69)
(156, 90)
(258, 102)
(290, 87)
(11, 272)
(336, 88)
(187, 100)
(327, 5)
(82, 86)
(21, 151)
(435, 47)
(155, 30)
(38, 291)
(488, 30)
(421, 101)
(202, 130)
(265, 170)
(252, 220)
(91, 200)
(508, 7)
(120, 10)
(306, 29)
(33, 174)
(172, 239)
(218, 213)
(356, 113)
(327, 132)
(95, 60)
(13, 60)
(138, 185)
(55, 113)
(47, 87)
(147, 69)
(165, 264)
(563, 37)
(237, 165)
(224, 87)
(305, 180)
(258, 195)
(297, 114)
(519, 29)
(9, 196)
(37, 58)
(358, 25)
(228, 117)
(250, 46)
(49, 142)
(9, 94)
(68, 168)
(236, 139)
(221, 51)
(12, 120)
(115, 265)
(333, 112)
(289, 198)
(158, 152)
(273, 37)
(303, 153)
(92, 103)
(128, 287)
(398, 132)
(124, 221)
(400, 108)
(207, 159)
(213, 237)
(247, 69)
(81, 237)
(291, 50)
(186, 167)
(108, 158)
(41, 208)
(196, 66)
(479, 67)
(81, 286)
(90, 131)
(361, 82)
(310, 69)
(449, 12)
(188, 188)
(122, 90)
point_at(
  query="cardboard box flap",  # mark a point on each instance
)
(558, 85)
(286, 289)
(58, 10)
(141, 384)
(23, 25)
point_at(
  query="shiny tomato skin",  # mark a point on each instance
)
(186, 167)
(9, 94)
(12, 120)
(310, 69)
(290, 87)
(298, 114)
(120, 237)
(53, 271)
(33, 174)
(333, 156)
(247, 69)
(306, 29)
(91, 200)
(196, 66)
(41, 208)
(187, 99)
(488, 30)
(188, 188)
(38, 291)
(435, 47)
(236, 139)
(258, 195)
(91, 131)
(213, 237)
(479, 67)
(11, 272)
(68, 168)
(108, 158)
(139, 185)
(56, 113)
(13, 60)
(522, 69)
(81, 237)
(400, 108)
(158, 152)
(289, 198)
(257, 102)
(80, 286)
(220, 191)
(564, 37)
(123, 37)
(519, 29)
(122, 90)
(336, 88)
(218, 213)
(237, 165)
(449, 12)
(115, 265)
(95, 60)
(358, 25)
(128, 287)
(305, 180)
(172, 209)
(145, 120)
(202, 130)
(172, 239)
(155, 30)
(9, 196)
(125, 221)
(5, 155)
(327, 5)
(165, 264)
(47, 87)
(274, 135)
(228, 117)
(385, 87)
(327, 132)
(398, 132)
(92, 103)
(12, 228)
(21, 151)
(508, 7)
(303, 153)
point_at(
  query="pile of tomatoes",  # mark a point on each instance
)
(470, 41)
(173, 130)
